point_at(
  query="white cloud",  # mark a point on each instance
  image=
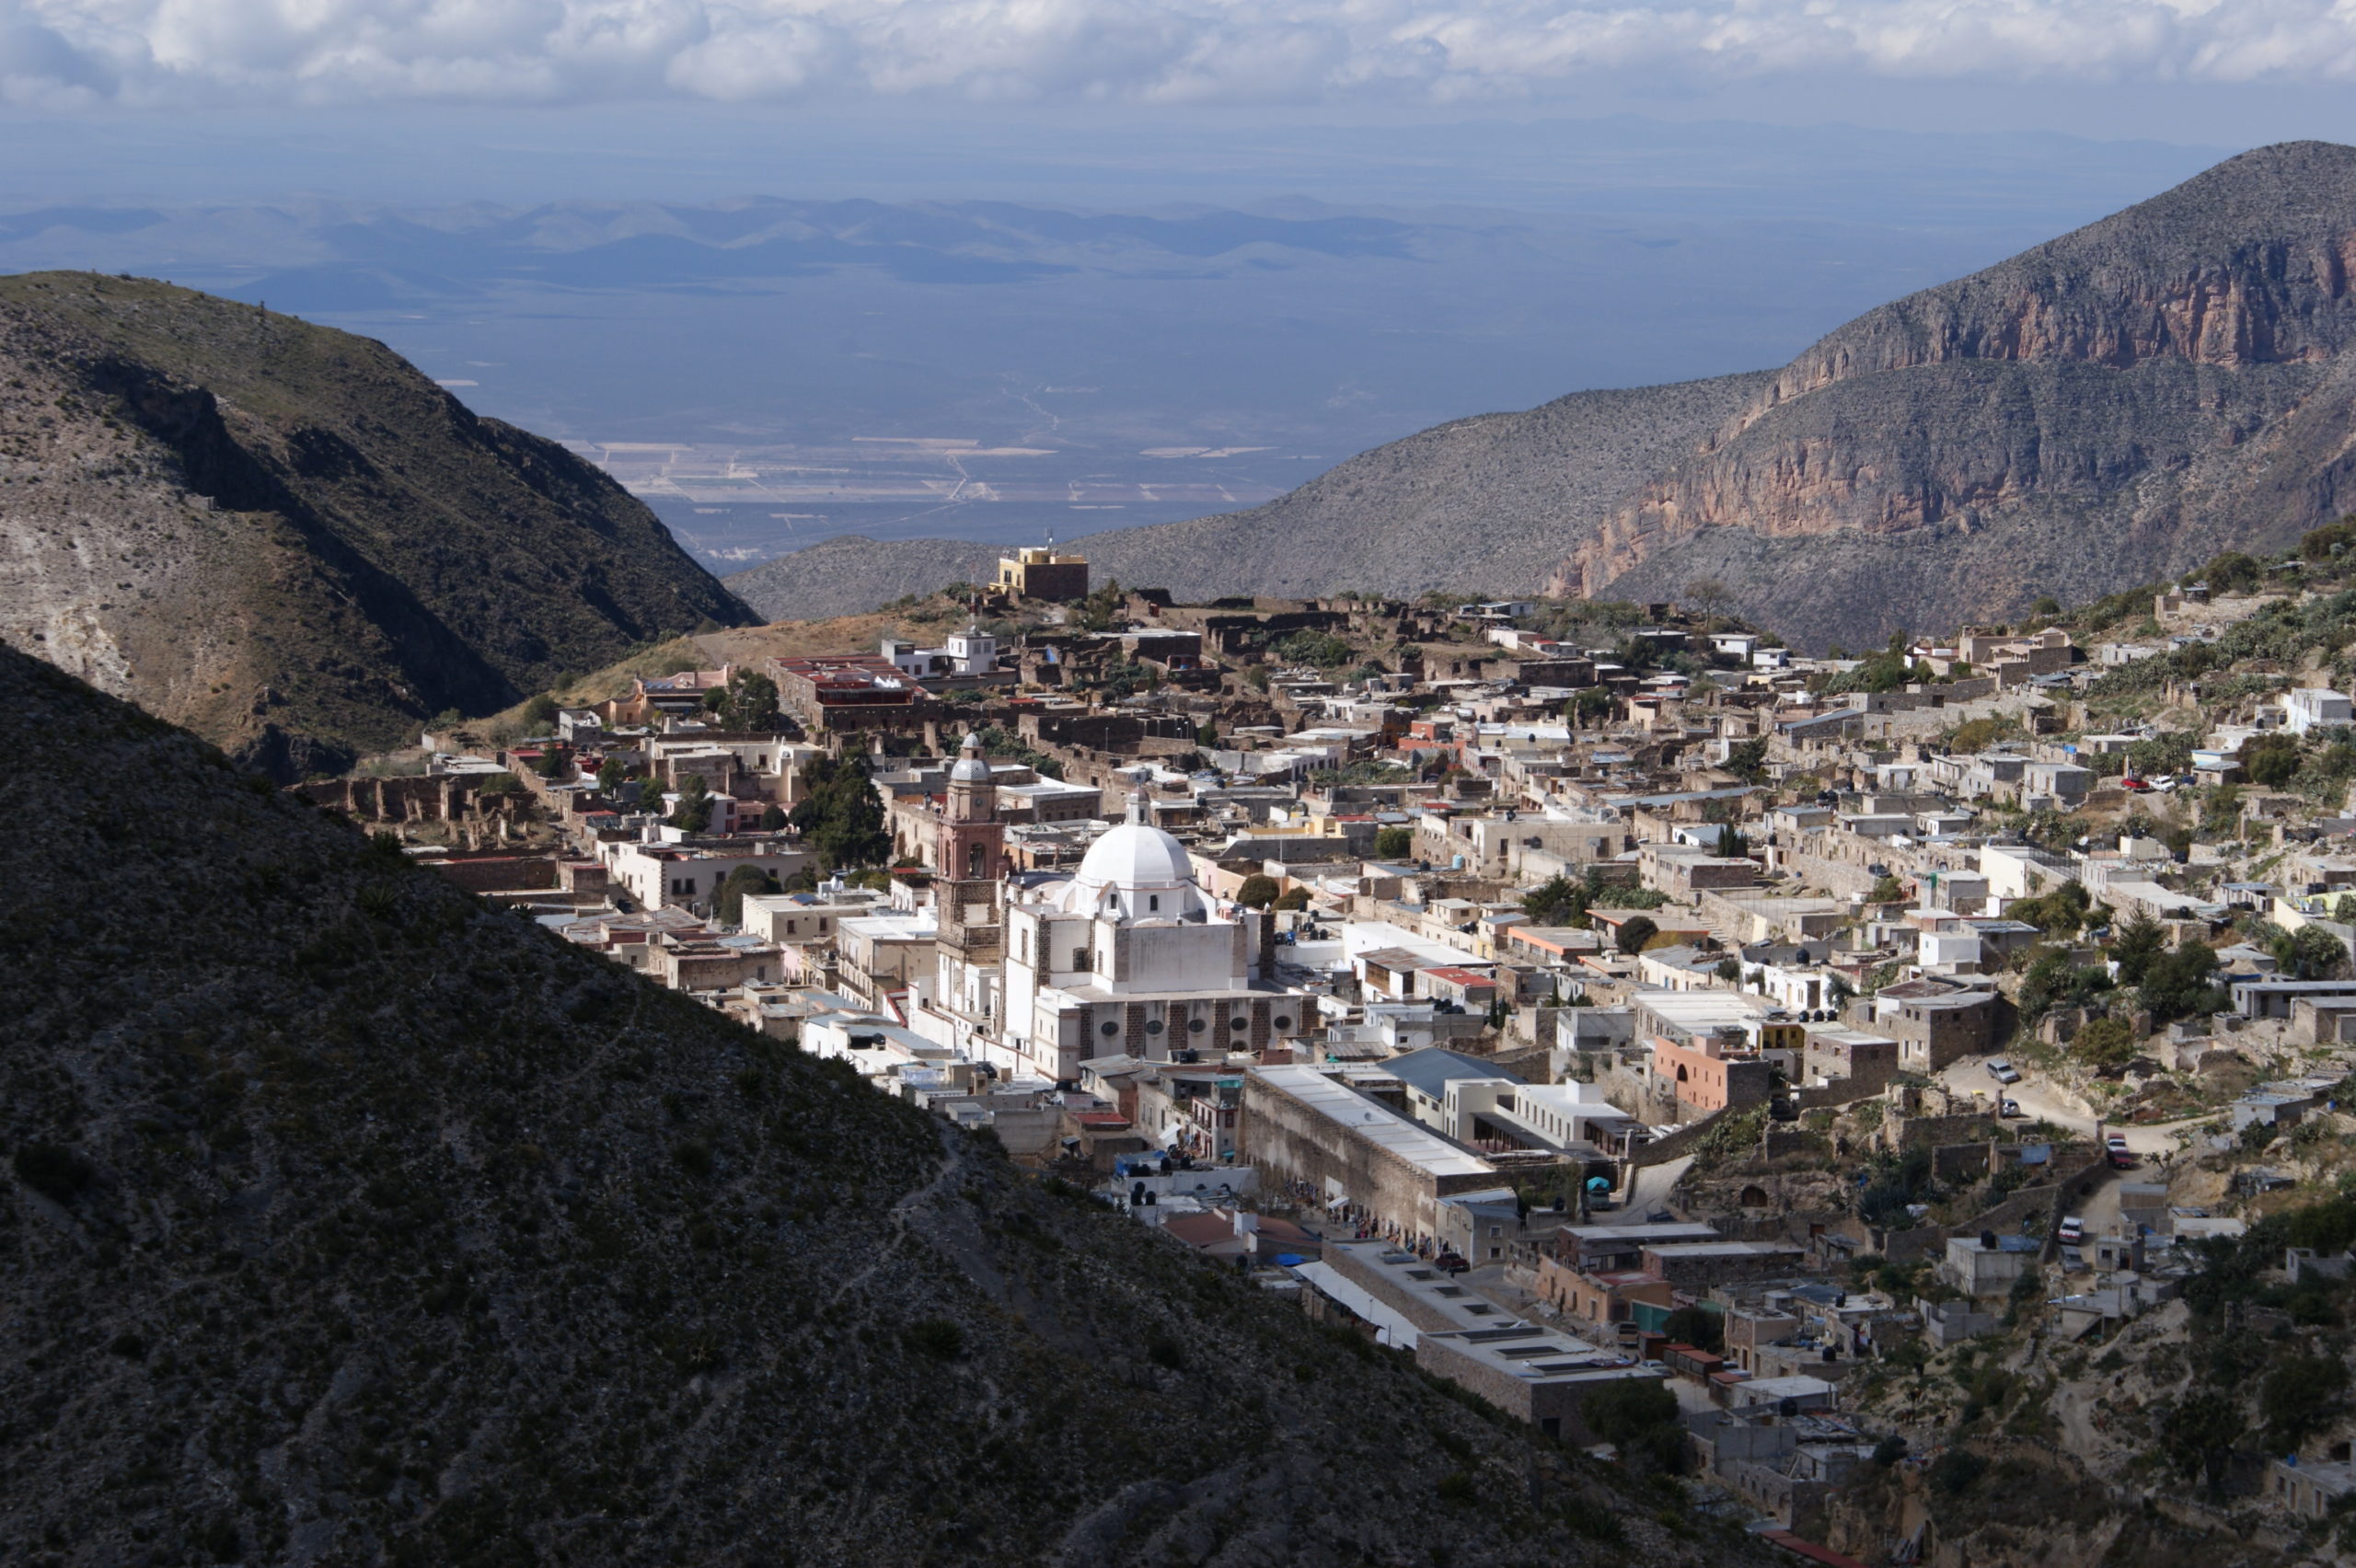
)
(163, 51)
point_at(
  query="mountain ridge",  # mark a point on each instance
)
(288, 537)
(2116, 405)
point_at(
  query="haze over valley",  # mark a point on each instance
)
(1141, 340)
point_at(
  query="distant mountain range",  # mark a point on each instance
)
(288, 539)
(2114, 406)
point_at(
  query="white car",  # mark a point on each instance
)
(2009, 1108)
(2002, 1071)
(2072, 1231)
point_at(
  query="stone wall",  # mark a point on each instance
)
(498, 872)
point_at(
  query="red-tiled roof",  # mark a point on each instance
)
(1809, 1550)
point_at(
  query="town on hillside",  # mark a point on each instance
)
(1777, 1068)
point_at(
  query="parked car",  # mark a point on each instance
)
(2115, 1148)
(1449, 1263)
(2009, 1108)
(2002, 1071)
(2072, 1231)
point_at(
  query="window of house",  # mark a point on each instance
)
(1152, 901)
(1080, 959)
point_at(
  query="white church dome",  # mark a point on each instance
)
(1134, 858)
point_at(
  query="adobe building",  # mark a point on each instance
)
(1038, 572)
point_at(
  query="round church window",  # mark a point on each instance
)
(1194, 1026)
(1153, 1026)
(1109, 1028)
(1281, 1022)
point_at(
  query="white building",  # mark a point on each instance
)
(972, 651)
(1130, 958)
(686, 877)
(2313, 708)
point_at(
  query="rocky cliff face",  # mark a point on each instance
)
(2116, 405)
(286, 537)
(2112, 406)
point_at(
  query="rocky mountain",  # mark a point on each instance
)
(349, 1220)
(1393, 520)
(286, 537)
(2111, 407)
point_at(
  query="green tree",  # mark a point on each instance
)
(2310, 954)
(772, 819)
(541, 712)
(1886, 889)
(1635, 933)
(1308, 647)
(1625, 1410)
(1207, 734)
(2058, 913)
(730, 900)
(1747, 760)
(610, 774)
(1695, 1326)
(2141, 940)
(1292, 898)
(2052, 981)
(2198, 1435)
(1591, 704)
(693, 813)
(1558, 901)
(2232, 572)
(1259, 891)
(2343, 909)
(1732, 845)
(2105, 1041)
(2270, 761)
(1393, 843)
(749, 703)
(840, 816)
(2300, 1397)
(2178, 984)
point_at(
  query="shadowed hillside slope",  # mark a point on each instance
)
(287, 538)
(350, 1221)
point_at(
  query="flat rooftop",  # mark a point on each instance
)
(1412, 1142)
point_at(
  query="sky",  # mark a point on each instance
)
(2236, 70)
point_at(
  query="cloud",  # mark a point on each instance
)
(195, 52)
